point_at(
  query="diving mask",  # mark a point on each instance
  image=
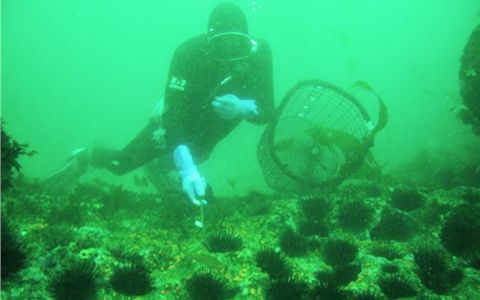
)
(231, 46)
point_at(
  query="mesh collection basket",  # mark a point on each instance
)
(319, 135)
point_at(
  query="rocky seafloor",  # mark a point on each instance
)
(362, 241)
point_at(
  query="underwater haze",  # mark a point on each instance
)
(399, 217)
(77, 73)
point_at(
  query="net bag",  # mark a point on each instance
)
(319, 135)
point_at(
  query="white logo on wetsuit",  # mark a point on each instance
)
(177, 83)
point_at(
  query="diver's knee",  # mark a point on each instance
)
(118, 168)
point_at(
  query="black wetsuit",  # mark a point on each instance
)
(470, 80)
(194, 79)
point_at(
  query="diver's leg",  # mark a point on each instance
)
(145, 147)
(158, 173)
(63, 179)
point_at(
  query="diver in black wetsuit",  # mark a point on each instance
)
(215, 80)
(469, 76)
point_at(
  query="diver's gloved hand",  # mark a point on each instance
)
(230, 107)
(193, 184)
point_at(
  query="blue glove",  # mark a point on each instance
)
(230, 107)
(192, 183)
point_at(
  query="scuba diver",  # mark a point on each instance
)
(469, 76)
(215, 80)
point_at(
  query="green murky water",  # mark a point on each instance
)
(79, 74)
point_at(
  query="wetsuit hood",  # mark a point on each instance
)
(227, 17)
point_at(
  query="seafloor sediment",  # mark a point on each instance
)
(385, 225)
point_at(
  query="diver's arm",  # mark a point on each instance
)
(193, 184)
(258, 106)
(176, 100)
(176, 113)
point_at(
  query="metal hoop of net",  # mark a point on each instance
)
(320, 134)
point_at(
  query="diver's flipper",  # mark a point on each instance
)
(63, 180)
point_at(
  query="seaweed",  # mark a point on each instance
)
(11, 151)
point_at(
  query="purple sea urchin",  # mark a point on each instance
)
(339, 252)
(311, 228)
(272, 263)
(131, 280)
(341, 275)
(474, 261)
(355, 216)
(13, 253)
(389, 268)
(434, 271)
(76, 282)
(386, 251)
(461, 232)
(315, 208)
(287, 289)
(393, 226)
(326, 291)
(396, 286)
(205, 285)
(224, 242)
(367, 295)
(292, 243)
(407, 198)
